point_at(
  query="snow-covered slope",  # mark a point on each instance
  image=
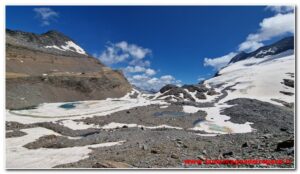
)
(69, 46)
(260, 79)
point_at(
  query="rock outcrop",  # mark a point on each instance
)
(52, 68)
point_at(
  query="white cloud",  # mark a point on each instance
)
(201, 79)
(280, 9)
(46, 15)
(250, 45)
(280, 24)
(277, 25)
(149, 83)
(140, 77)
(153, 80)
(167, 78)
(110, 56)
(150, 72)
(144, 63)
(132, 59)
(219, 62)
(134, 69)
(139, 69)
(121, 52)
(134, 50)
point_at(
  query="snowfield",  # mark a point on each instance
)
(252, 78)
(258, 78)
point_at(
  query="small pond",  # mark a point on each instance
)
(69, 105)
(200, 120)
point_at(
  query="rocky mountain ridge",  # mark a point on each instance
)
(51, 67)
(52, 41)
(280, 46)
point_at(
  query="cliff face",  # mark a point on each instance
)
(52, 68)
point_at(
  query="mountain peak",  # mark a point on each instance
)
(280, 46)
(56, 34)
(51, 41)
(53, 32)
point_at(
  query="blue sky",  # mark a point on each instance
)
(179, 44)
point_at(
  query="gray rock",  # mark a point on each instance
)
(15, 133)
(227, 154)
(287, 93)
(285, 144)
(174, 156)
(167, 88)
(286, 104)
(200, 95)
(212, 92)
(288, 82)
(154, 151)
(198, 88)
(245, 145)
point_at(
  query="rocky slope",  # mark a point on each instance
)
(51, 67)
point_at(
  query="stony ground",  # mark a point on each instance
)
(168, 148)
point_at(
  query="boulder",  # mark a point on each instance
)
(227, 154)
(212, 92)
(285, 144)
(200, 95)
(288, 82)
(167, 87)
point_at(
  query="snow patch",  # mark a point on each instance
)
(69, 46)
(219, 124)
(264, 52)
(190, 109)
(18, 156)
(76, 125)
(112, 125)
(164, 106)
(207, 135)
